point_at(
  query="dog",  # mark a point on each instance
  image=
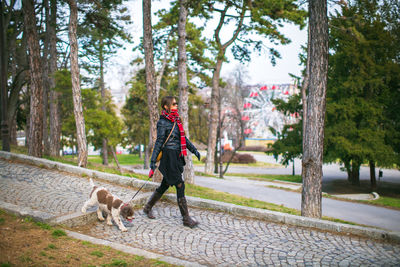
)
(112, 205)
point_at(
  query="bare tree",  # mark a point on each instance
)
(313, 134)
(76, 88)
(55, 120)
(213, 120)
(152, 97)
(35, 146)
(235, 100)
(183, 85)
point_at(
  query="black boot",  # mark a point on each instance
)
(147, 208)
(187, 221)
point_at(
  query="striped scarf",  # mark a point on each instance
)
(174, 116)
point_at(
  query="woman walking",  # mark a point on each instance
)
(172, 142)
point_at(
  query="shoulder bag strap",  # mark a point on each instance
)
(169, 134)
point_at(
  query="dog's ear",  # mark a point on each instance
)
(126, 211)
(130, 211)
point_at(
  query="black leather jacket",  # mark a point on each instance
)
(164, 127)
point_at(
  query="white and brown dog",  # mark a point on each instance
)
(112, 205)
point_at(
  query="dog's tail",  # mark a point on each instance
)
(91, 183)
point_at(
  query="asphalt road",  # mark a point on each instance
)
(348, 211)
(330, 171)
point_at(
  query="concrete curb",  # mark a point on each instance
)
(272, 216)
(132, 250)
(27, 212)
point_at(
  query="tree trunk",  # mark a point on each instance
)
(26, 130)
(163, 65)
(355, 172)
(314, 128)
(304, 85)
(36, 100)
(45, 65)
(293, 170)
(372, 174)
(220, 136)
(152, 97)
(116, 159)
(55, 120)
(213, 119)
(76, 87)
(183, 86)
(13, 131)
(5, 136)
(347, 166)
(19, 70)
(104, 150)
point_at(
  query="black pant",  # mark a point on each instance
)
(180, 188)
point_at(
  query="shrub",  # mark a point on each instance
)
(246, 158)
(255, 148)
(238, 158)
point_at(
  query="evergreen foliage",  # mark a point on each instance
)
(361, 74)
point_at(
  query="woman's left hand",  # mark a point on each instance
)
(151, 172)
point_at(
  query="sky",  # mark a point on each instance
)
(259, 69)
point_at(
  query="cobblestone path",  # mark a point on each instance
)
(221, 239)
(49, 191)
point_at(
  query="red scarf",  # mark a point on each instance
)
(174, 116)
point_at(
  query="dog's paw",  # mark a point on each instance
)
(124, 229)
(101, 219)
(110, 223)
(83, 210)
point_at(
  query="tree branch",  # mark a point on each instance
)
(239, 27)
(221, 22)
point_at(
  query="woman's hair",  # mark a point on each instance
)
(167, 101)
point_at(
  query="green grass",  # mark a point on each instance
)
(287, 178)
(98, 167)
(52, 246)
(124, 159)
(97, 253)
(207, 193)
(58, 233)
(386, 201)
(44, 226)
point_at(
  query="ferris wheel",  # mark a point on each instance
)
(260, 113)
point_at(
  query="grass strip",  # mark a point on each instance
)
(260, 177)
(31, 244)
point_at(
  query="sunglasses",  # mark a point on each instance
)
(175, 104)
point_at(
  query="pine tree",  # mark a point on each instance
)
(361, 72)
